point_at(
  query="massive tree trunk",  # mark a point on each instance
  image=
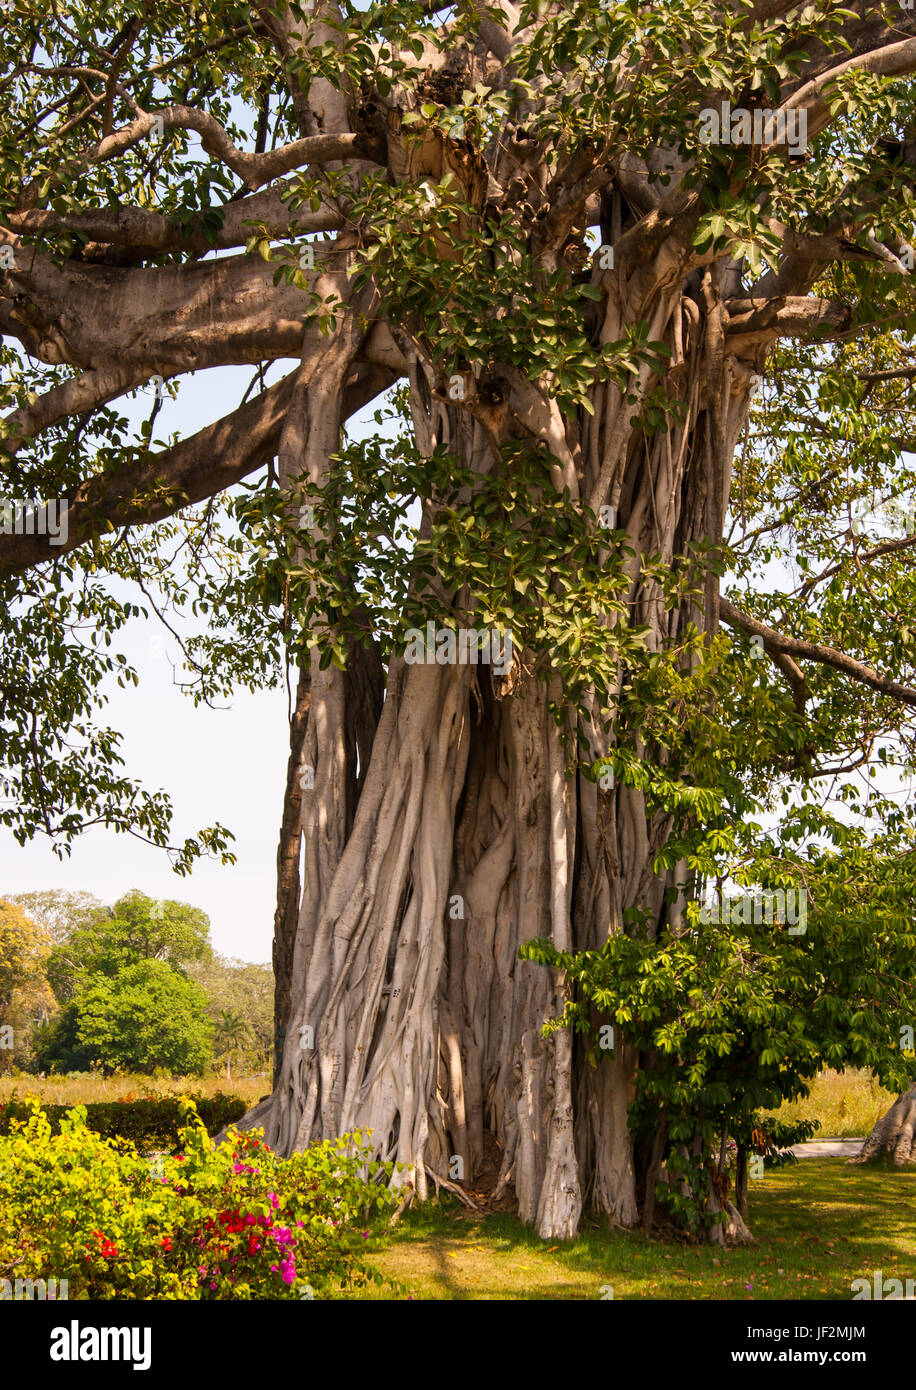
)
(469, 829)
(894, 1136)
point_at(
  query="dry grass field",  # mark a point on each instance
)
(79, 1088)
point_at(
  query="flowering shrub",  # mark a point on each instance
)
(213, 1221)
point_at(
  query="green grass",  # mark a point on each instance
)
(819, 1224)
(845, 1103)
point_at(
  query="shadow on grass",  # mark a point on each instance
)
(819, 1225)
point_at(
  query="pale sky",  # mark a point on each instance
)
(226, 765)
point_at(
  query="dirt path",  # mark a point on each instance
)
(828, 1148)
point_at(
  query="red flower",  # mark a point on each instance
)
(107, 1249)
(166, 1242)
(232, 1221)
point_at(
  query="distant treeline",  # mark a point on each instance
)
(133, 987)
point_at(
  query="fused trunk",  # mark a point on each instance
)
(461, 827)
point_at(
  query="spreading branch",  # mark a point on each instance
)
(826, 656)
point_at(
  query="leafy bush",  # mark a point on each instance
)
(147, 1121)
(215, 1221)
(735, 1016)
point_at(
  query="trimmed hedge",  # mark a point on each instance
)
(148, 1121)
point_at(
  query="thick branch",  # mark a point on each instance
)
(755, 323)
(892, 60)
(166, 319)
(159, 484)
(146, 230)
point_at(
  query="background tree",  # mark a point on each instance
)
(231, 1032)
(244, 989)
(145, 1018)
(25, 998)
(57, 911)
(134, 929)
(94, 973)
(23, 947)
(515, 215)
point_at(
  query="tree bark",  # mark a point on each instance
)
(894, 1136)
(409, 1012)
(435, 818)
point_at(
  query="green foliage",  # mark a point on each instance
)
(719, 742)
(605, 83)
(226, 1221)
(89, 947)
(734, 1016)
(144, 1017)
(137, 928)
(119, 975)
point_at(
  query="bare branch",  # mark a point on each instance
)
(813, 651)
(253, 169)
(73, 397)
(159, 484)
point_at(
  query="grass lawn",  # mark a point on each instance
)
(819, 1224)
